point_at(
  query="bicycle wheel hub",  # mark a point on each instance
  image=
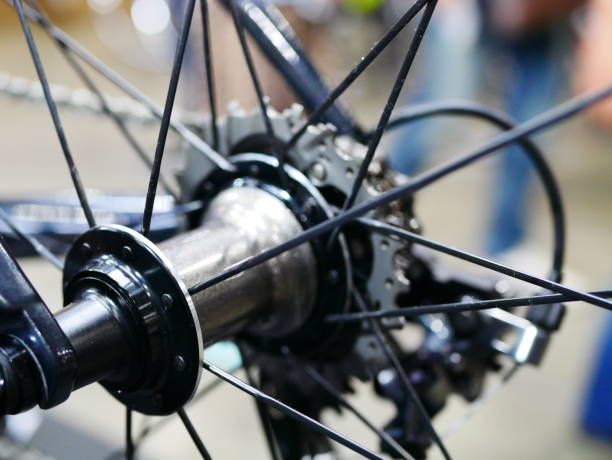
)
(132, 322)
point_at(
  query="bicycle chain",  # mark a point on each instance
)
(83, 100)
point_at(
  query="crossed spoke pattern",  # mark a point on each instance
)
(376, 136)
(121, 83)
(40, 248)
(57, 123)
(329, 388)
(262, 410)
(378, 48)
(91, 86)
(349, 212)
(511, 272)
(530, 127)
(288, 411)
(383, 341)
(458, 307)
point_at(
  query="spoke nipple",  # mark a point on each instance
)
(179, 363)
(86, 250)
(167, 301)
(126, 253)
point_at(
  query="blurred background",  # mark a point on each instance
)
(520, 57)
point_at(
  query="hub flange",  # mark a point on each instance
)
(152, 312)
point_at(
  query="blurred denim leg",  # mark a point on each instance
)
(447, 68)
(597, 405)
(532, 85)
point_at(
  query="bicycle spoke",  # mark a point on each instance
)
(91, 86)
(165, 123)
(408, 386)
(119, 123)
(246, 52)
(40, 248)
(387, 229)
(129, 442)
(188, 135)
(374, 140)
(194, 434)
(210, 78)
(332, 226)
(532, 126)
(263, 103)
(147, 430)
(458, 307)
(290, 412)
(363, 64)
(42, 77)
(499, 119)
(262, 410)
(327, 386)
(264, 418)
(390, 105)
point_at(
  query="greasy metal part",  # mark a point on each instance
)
(387, 284)
(240, 222)
(331, 163)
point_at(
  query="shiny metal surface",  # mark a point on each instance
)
(526, 344)
(241, 222)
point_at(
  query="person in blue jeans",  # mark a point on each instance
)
(531, 81)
